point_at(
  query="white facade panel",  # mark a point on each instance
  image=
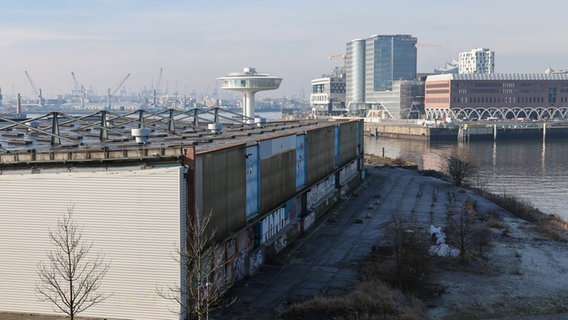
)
(271, 147)
(133, 217)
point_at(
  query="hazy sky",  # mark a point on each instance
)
(197, 41)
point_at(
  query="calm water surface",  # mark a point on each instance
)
(528, 169)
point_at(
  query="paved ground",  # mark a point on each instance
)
(326, 260)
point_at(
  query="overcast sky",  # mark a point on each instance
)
(195, 42)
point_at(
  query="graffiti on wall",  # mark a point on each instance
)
(256, 260)
(240, 265)
(348, 172)
(320, 191)
(273, 223)
(280, 244)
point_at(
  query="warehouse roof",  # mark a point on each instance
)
(104, 134)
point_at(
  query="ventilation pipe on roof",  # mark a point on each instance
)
(260, 122)
(215, 127)
(141, 134)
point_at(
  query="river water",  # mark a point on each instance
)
(533, 170)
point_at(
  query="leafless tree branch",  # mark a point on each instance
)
(71, 276)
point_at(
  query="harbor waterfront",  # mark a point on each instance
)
(529, 169)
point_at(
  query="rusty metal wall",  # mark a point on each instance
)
(277, 179)
(223, 190)
(347, 142)
(320, 147)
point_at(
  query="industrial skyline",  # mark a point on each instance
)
(102, 41)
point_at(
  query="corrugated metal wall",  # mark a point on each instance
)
(133, 217)
(348, 142)
(277, 179)
(300, 161)
(320, 153)
(223, 187)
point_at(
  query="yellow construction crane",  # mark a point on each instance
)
(339, 56)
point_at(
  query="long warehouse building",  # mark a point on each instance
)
(135, 181)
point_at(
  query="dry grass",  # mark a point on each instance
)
(549, 225)
(386, 161)
(369, 300)
(392, 278)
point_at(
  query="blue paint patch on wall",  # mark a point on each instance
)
(252, 182)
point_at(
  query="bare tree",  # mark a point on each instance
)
(459, 167)
(204, 281)
(72, 275)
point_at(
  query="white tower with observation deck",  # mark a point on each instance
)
(249, 82)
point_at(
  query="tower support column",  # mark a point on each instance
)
(248, 109)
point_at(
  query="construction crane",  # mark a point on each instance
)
(339, 56)
(111, 93)
(36, 90)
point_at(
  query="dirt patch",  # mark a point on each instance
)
(522, 277)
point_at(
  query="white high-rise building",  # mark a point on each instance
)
(479, 60)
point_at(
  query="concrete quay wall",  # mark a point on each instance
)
(471, 133)
(410, 131)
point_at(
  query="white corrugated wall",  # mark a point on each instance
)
(132, 216)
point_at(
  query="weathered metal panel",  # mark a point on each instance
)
(270, 147)
(224, 188)
(300, 161)
(348, 139)
(360, 131)
(277, 180)
(253, 182)
(337, 146)
(133, 217)
(320, 160)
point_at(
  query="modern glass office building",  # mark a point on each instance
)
(373, 64)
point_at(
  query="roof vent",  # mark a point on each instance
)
(260, 122)
(141, 134)
(32, 125)
(215, 127)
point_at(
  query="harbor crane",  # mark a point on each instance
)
(157, 88)
(78, 90)
(111, 93)
(36, 90)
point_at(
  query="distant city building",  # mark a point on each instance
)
(372, 66)
(412, 98)
(450, 67)
(505, 96)
(478, 61)
(328, 94)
